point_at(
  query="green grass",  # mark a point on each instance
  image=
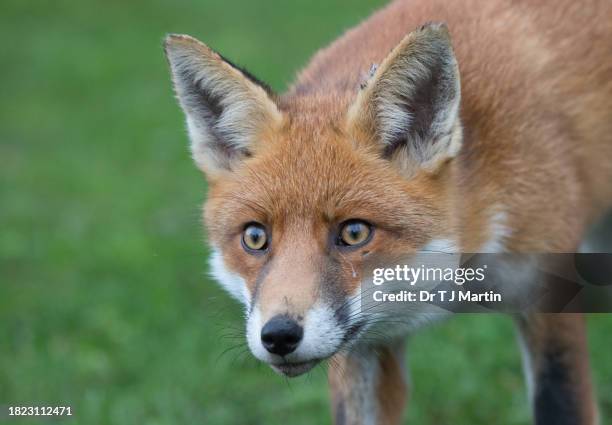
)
(105, 303)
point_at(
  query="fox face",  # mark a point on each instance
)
(311, 190)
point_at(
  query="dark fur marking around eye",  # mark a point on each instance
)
(261, 276)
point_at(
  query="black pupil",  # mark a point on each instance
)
(354, 231)
(255, 234)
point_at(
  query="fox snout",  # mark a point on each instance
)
(294, 343)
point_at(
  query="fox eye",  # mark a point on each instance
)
(254, 237)
(354, 233)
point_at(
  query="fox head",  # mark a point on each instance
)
(308, 188)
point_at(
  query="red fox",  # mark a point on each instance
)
(472, 126)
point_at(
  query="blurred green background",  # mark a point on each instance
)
(105, 302)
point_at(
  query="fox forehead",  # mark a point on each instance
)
(321, 176)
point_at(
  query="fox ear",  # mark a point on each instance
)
(227, 109)
(409, 107)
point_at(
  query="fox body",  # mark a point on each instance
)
(488, 132)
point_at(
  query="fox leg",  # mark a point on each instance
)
(368, 386)
(556, 363)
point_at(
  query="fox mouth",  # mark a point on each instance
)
(293, 369)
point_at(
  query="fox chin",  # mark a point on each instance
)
(485, 130)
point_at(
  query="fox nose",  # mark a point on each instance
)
(281, 335)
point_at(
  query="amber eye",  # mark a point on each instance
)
(254, 237)
(354, 233)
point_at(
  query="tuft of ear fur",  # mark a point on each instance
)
(227, 109)
(410, 106)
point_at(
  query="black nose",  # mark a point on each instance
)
(281, 335)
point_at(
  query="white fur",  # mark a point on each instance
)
(527, 370)
(322, 336)
(231, 282)
(253, 335)
(445, 245)
(499, 232)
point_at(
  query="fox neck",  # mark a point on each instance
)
(473, 222)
